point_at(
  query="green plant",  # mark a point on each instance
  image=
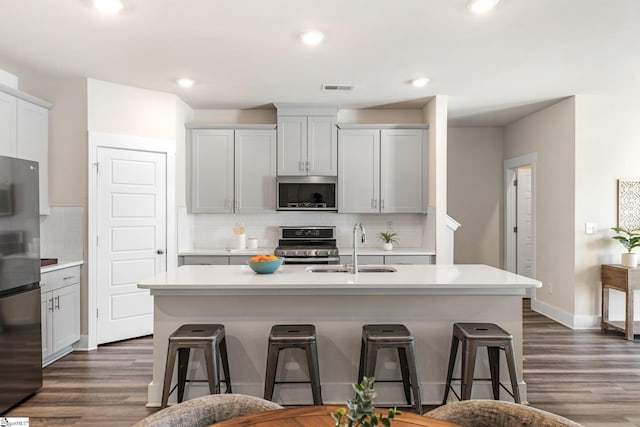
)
(361, 410)
(630, 239)
(388, 236)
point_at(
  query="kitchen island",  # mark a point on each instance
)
(428, 299)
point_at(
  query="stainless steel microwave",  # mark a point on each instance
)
(307, 193)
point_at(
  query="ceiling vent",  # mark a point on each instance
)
(341, 88)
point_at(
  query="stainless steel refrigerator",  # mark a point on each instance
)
(20, 330)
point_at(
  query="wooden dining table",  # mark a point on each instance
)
(320, 416)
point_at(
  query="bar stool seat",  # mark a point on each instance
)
(284, 337)
(472, 336)
(208, 337)
(378, 336)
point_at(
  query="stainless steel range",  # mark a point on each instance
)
(307, 245)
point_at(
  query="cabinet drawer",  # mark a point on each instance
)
(205, 260)
(239, 259)
(58, 278)
(408, 259)
(614, 277)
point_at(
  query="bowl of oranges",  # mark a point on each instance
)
(265, 264)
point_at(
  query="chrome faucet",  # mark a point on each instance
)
(363, 239)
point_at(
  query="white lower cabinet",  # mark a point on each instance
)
(389, 259)
(60, 308)
(213, 259)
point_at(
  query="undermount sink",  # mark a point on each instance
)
(344, 269)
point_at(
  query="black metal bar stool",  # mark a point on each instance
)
(293, 336)
(474, 335)
(375, 337)
(210, 338)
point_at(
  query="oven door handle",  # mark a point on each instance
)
(312, 260)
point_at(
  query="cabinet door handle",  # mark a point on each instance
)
(160, 251)
(67, 277)
(375, 203)
(308, 166)
(51, 304)
(58, 302)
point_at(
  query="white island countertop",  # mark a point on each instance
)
(459, 279)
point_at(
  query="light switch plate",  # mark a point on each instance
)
(590, 227)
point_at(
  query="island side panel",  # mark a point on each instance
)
(338, 321)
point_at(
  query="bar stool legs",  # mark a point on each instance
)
(293, 336)
(209, 338)
(375, 337)
(474, 335)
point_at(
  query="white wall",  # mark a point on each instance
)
(437, 235)
(125, 110)
(381, 116)
(607, 148)
(474, 189)
(184, 114)
(551, 134)
(258, 116)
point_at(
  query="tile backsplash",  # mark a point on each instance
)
(61, 233)
(204, 231)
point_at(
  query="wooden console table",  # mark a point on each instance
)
(626, 280)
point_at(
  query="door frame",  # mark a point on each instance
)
(98, 140)
(510, 166)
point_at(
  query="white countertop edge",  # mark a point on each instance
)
(60, 265)
(190, 291)
(342, 251)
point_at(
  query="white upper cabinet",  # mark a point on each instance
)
(383, 170)
(232, 170)
(307, 141)
(359, 176)
(255, 171)
(33, 144)
(8, 123)
(403, 170)
(24, 133)
(322, 146)
(292, 145)
(212, 170)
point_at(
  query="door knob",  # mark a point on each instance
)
(160, 251)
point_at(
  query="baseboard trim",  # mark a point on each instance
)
(83, 344)
(567, 319)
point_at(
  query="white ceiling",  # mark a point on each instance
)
(246, 53)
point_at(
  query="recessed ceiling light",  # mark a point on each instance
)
(312, 38)
(481, 6)
(420, 82)
(108, 7)
(185, 82)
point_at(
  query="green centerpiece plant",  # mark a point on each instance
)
(361, 410)
(630, 239)
(388, 238)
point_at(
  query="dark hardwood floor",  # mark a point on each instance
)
(589, 376)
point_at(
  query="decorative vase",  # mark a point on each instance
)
(630, 260)
(389, 246)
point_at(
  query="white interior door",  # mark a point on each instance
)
(131, 241)
(525, 248)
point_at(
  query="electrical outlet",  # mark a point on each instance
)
(389, 225)
(549, 287)
(590, 228)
